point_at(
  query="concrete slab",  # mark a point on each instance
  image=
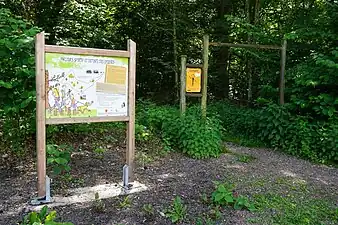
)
(87, 194)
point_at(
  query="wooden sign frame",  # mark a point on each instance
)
(42, 121)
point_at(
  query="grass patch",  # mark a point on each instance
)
(296, 210)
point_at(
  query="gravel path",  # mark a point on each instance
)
(168, 177)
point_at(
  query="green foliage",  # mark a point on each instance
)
(292, 210)
(42, 218)
(196, 137)
(126, 202)
(148, 209)
(189, 134)
(59, 158)
(277, 127)
(177, 212)
(225, 195)
(142, 133)
(17, 81)
(245, 158)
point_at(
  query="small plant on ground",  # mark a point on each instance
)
(204, 198)
(59, 158)
(98, 203)
(245, 158)
(225, 195)
(99, 152)
(42, 218)
(148, 209)
(215, 213)
(178, 211)
(149, 212)
(126, 203)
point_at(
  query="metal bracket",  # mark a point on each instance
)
(126, 186)
(44, 200)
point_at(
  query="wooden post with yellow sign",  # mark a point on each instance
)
(194, 79)
(191, 82)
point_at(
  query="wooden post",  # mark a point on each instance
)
(205, 75)
(130, 154)
(282, 73)
(183, 79)
(40, 113)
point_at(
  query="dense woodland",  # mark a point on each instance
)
(164, 30)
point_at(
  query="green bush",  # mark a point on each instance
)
(193, 136)
(277, 127)
(189, 133)
(17, 81)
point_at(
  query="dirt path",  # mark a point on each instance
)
(254, 171)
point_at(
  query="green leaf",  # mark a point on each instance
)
(33, 217)
(25, 103)
(218, 197)
(5, 84)
(43, 212)
(229, 198)
(57, 170)
(51, 216)
(61, 161)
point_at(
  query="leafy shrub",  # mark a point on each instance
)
(197, 138)
(17, 81)
(278, 127)
(59, 157)
(188, 133)
(42, 218)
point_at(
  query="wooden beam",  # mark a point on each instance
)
(86, 119)
(193, 94)
(130, 154)
(183, 83)
(245, 45)
(40, 113)
(282, 74)
(205, 75)
(85, 51)
(194, 66)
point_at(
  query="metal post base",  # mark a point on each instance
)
(44, 200)
(126, 186)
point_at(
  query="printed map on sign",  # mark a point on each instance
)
(86, 86)
(193, 80)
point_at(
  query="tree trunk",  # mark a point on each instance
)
(222, 55)
(175, 50)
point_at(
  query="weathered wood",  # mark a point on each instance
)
(40, 113)
(194, 65)
(86, 119)
(245, 45)
(130, 154)
(193, 94)
(86, 51)
(205, 75)
(183, 84)
(282, 73)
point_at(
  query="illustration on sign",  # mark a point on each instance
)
(193, 79)
(85, 86)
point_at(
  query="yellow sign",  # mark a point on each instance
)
(193, 81)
